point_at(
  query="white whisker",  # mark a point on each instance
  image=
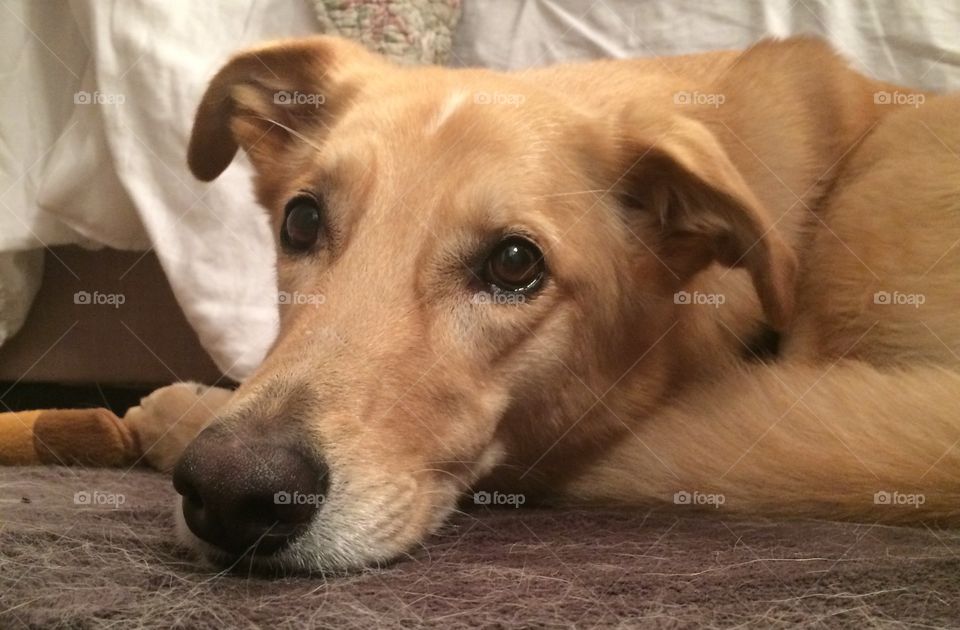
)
(291, 131)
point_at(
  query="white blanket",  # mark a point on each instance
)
(97, 98)
(910, 43)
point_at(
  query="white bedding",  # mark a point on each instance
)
(113, 171)
(913, 43)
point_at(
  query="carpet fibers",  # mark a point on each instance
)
(67, 563)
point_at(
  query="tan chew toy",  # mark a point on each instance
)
(87, 437)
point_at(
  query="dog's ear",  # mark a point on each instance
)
(265, 99)
(678, 172)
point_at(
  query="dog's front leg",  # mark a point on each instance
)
(170, 418)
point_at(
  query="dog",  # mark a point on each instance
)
(724, 280)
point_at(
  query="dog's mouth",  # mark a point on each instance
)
(354, 526)
(261, 488)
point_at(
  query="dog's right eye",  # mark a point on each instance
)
(301, 223)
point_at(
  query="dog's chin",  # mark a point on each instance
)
(339, 541)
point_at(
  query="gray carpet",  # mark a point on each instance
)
(64, 565)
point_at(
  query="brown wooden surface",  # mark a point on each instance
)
(145, 340)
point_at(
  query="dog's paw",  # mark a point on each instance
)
(168, 419)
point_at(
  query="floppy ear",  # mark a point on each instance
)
(268, 98)
(706, 211)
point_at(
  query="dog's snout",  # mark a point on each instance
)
(247, 493)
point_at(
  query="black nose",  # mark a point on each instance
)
(244, 492)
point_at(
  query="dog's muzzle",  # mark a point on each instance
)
(248, 492)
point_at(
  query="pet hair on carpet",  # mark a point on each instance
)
(95, 549)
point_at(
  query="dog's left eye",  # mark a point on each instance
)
(515, 265)
(301, 223)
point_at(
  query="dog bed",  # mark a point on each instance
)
(95, 549)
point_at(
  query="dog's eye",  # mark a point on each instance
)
(515, 264)
(301, 223)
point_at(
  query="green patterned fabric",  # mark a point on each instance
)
(408, 31)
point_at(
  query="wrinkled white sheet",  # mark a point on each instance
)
(97, 101)
(911, 43)
(113, 171)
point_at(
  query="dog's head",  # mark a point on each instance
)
(466, 260)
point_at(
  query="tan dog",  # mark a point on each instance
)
(552, 285)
